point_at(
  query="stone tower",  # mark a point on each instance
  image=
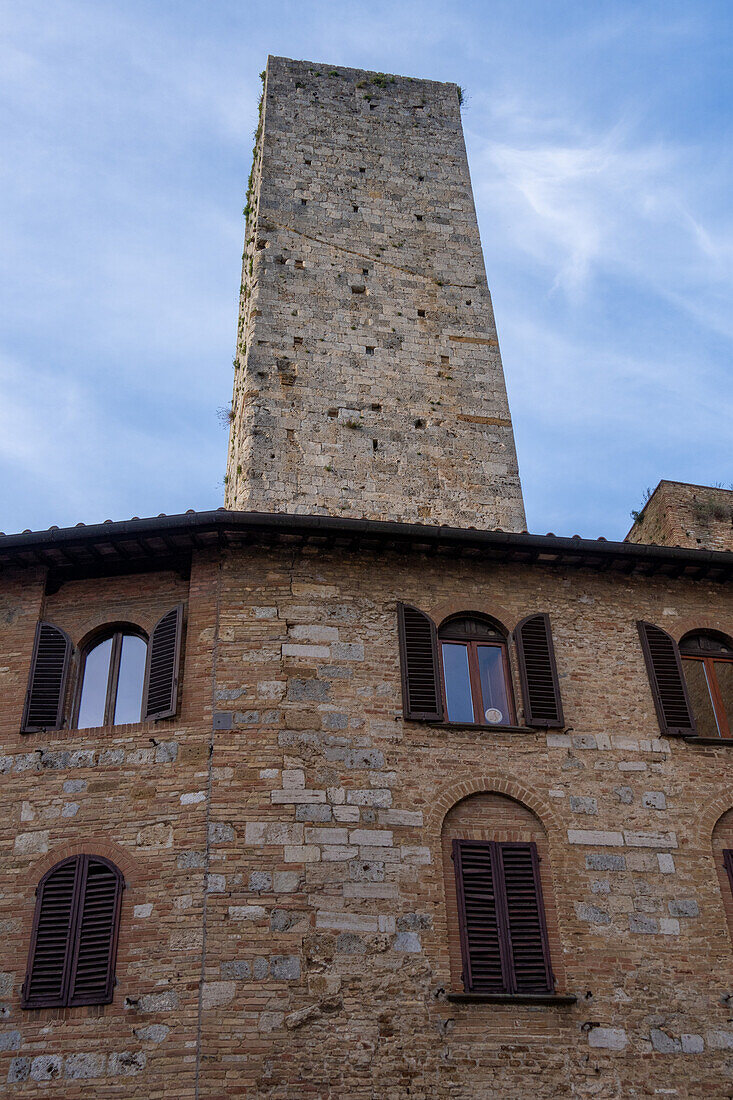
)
(368, 378)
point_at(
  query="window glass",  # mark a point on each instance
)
(130, 680)
(94, 688)
(457, 683)
(702, 704)
(493, 686)
(724, 676)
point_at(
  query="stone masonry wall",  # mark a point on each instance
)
(368, 377)
(678, 514)
(293, 856)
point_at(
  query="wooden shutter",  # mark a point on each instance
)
(526, 928)
(160, 696)
(482, 948)
(74, 937)
(538, 673)
(47, 977)
(95, 946)
(44, 701)
(667, 681)
(504, 944)
(421, 693)
(728, 864)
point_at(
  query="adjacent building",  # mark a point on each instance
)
(356, 788)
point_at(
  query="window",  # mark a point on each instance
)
(74, 937)
(707, 663)
(476, 682)
(461, 672)
(122, 677)
(504, 943)
(112, 680)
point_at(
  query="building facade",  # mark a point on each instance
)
(416, 807)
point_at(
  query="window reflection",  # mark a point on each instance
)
(459, 702)
(112, 681)
(493, 685)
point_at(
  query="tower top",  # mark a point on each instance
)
(368, 376)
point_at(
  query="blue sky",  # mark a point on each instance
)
(599, 141)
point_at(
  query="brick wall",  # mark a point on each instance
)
(316, 821)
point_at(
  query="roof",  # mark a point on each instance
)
(145, 543)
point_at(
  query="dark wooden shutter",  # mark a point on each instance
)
(47, 977)
(161, 673)
(421, 693)
(527, 931)
(667, 680)
(504, 943)
(482, 948)
(74, 936)
(538, 673)
(44, 701)
(95, 947)
(728, 864)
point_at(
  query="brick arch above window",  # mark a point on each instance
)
(444, 798)
(689, 624)
(96, 845)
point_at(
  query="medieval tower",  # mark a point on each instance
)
(368, 376)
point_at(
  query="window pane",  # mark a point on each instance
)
(130, 681)
(702, 705)
(94, 688)
(724, 676)
(493, 685)
(457, 683)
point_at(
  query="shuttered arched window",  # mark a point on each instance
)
(461, 672)
(74, 937)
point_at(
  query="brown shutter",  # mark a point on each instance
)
(728, 864)
(538, 673)
(504, 944)
(44, 701)
(160, 697)
(421, 693)
(667, 680)
(95, 948)
(74, 936)
(47, 977)
(482, 949)
(527, 932)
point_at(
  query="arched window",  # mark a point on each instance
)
(74, 937)
(707, 662)
(112, 679)
(476, 679)
(502, 924)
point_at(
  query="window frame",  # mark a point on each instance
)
(472, 645)
(709, 660)
(117, 633)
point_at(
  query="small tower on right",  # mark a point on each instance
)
(678, 514)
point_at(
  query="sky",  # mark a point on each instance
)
(599, 139)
